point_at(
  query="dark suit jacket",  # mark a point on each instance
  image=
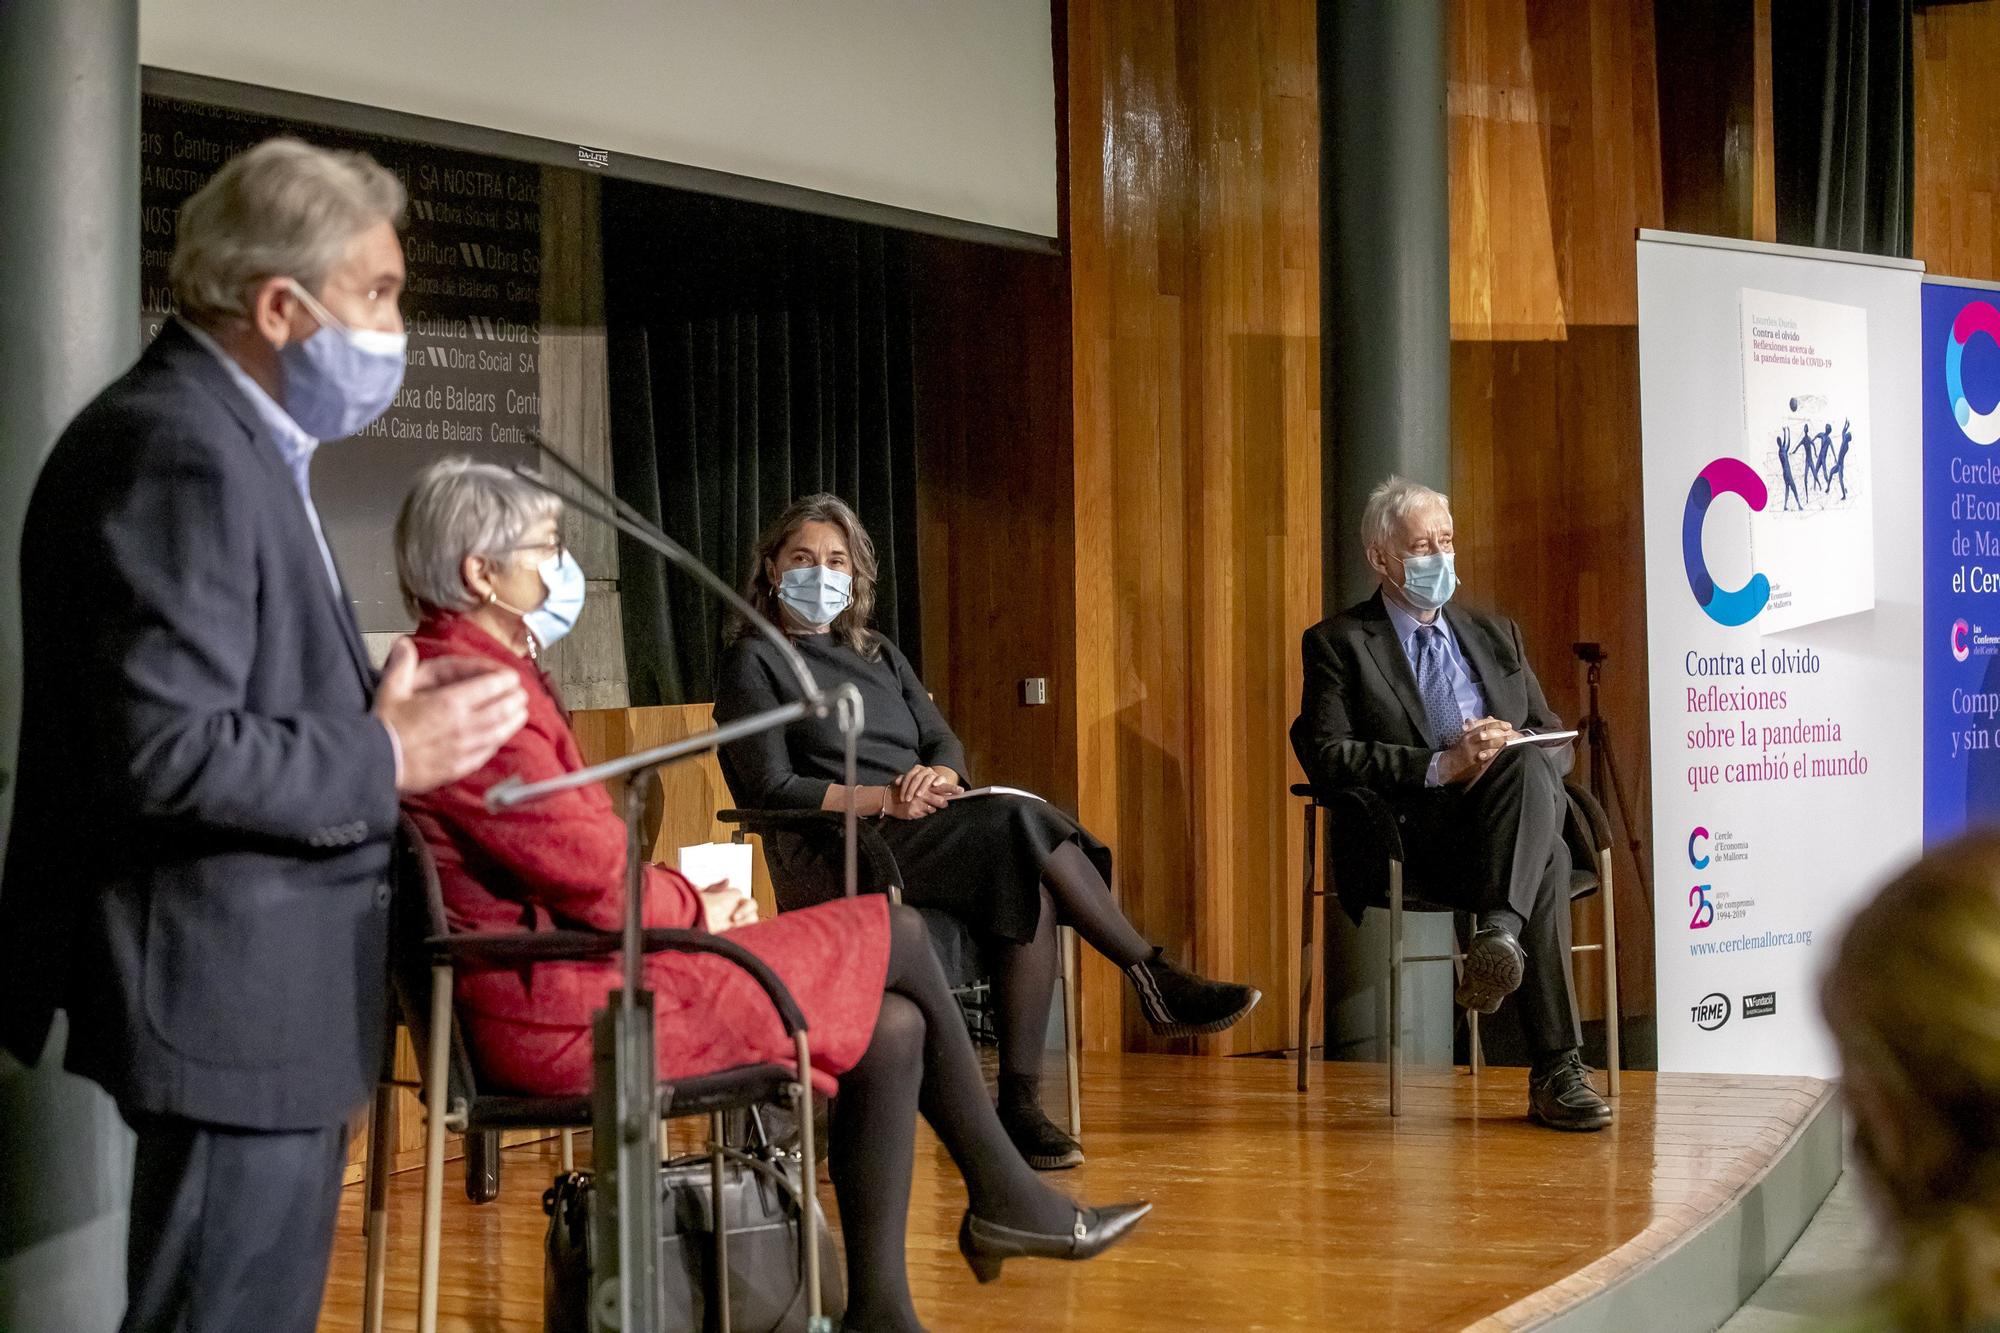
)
(200, 848)
(1361, 722)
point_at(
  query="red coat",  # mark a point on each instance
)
(560, 863)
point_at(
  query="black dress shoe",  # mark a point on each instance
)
(1492, 970)
(1177, 1003)
(1560, 1095)
(1042, 1143)
(985, 1244)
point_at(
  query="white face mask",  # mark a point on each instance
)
(816, 594)
(562, 600)
(557, 614)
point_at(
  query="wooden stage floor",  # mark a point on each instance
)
(1274, 1210)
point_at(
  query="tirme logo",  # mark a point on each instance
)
(1710, 1012)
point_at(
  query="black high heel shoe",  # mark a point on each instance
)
(986, 1245)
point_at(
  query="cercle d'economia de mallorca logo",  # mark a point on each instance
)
(1725, 606)
(1977, 317)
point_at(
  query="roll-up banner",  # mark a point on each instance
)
(1961, 634)
(1782, 473)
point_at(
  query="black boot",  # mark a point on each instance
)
(1041, 1144)
(1560, 1095)
(1177, 1003)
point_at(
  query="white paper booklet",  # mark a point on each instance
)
(708, 863)
(996, 791)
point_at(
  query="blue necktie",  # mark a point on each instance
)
(1434, 685)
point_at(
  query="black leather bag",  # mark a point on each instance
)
(767, 1279)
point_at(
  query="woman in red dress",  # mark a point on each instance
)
(485, 574)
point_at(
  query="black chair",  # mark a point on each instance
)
(1365, 862)
(805, 848)
(424, 956)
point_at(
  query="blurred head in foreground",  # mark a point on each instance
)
(1914, 1002)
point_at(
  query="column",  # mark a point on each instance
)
(69, 284)
(1385, 376)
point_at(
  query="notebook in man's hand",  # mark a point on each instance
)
(1552, 740)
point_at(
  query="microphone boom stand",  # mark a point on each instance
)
(625, 1094)
(1603, 774)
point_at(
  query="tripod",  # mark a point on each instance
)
(1604, 763)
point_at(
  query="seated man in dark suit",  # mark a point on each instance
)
(1417, 701)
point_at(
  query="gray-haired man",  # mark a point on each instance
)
(209, 769)
(1416, 697)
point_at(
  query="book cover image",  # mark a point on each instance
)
(1806, 431)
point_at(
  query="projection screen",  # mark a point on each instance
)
(938, 107)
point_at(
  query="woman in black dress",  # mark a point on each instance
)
(1011, 867)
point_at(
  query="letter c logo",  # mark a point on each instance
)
(1975, 318)
(1725, 606)
(1698, 862)
(1960, 649)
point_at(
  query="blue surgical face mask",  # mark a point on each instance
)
(557, 614)
(562, 600)
(816, 594)
(340, 379)
(1429, 580)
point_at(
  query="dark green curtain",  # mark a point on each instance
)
(756, 355)
(1843, 121)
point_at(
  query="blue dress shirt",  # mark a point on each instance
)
(294, 446)
(1464, 686)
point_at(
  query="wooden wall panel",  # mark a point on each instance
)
(1555, 165)
(691, 791)
(995, 501)
(1545, 489)
(1193, 197)
(1957, 48)
(1555, 161)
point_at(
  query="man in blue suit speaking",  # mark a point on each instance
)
(209, 767)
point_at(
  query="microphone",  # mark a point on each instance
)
(844, 703)
(608, 508)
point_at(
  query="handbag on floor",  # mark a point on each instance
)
(761, 1208)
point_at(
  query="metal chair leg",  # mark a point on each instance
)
(381, 1144)
(568, 1151)
(1307, 919)
(1072, 1058)
(1611, 1014)
(1475, 1051)
(719, 1221)
(816, 1321)
(1473, 1061)
(437, 1094)
(482, 1166)
(1395, 988)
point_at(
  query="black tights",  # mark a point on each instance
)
(1073, 895)
(919, 1059)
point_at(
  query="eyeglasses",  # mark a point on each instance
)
(553, 546)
